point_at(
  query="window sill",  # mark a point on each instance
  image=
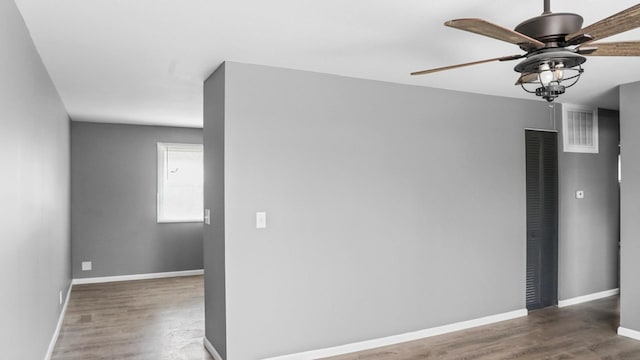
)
(169, 221)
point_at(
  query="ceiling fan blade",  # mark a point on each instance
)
(527, 78)
(586, 50)
(622, 48)
(623, 21)
(486, 28)
(504, 58)
(580, 39)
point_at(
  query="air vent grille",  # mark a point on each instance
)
(580, 129)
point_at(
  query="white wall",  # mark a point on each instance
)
(629, 209)
(114, 196)
(214, 200)
(34, 188)
(390, 208)
(589, 228)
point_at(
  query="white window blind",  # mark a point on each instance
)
(180, 182)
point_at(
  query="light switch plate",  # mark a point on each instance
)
(261, 220)
(580, 194)
(207, 216)
(86, 265)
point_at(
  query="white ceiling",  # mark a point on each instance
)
(144, 61)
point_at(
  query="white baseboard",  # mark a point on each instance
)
(395, 339)
(590, 297)
(629, 333)
(56, 333)
(211, 349)
(103, 279)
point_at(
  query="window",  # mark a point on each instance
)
(580, 129)
(180, 182)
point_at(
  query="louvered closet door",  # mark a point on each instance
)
(542, 218)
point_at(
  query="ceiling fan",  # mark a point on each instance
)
(554, 45)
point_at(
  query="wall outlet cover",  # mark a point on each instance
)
(60, 297)
(261, 220)
(86, 265)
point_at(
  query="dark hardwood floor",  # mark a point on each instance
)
(144, 319)
(164, 319)
(586, 332)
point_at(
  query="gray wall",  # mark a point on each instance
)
(630, 211)
(589, 228)
(390, 208)
(34, 188)
(214, 235)
(113, 202)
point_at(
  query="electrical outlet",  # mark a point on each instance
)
(60, 296)
(86, 265)
(261, 220)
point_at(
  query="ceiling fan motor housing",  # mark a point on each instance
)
(551, 27)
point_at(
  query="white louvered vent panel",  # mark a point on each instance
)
(580, 129)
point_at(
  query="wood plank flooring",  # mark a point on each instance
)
(586, 332)
(164, 319)
(144, 319)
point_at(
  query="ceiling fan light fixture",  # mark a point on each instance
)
(558, 73)
(552, 58)
(550, 92)
(545, 75)
(553, 67)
